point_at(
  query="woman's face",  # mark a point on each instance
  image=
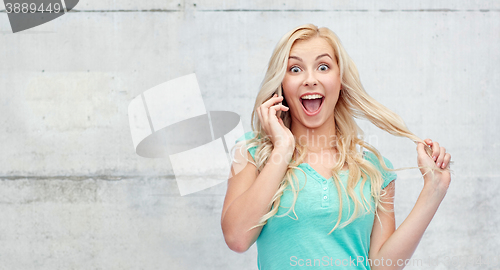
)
(312, 82)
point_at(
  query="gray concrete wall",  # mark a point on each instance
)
(74, 195)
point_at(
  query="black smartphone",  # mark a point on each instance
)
(280, 93)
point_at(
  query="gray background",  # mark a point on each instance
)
(74, 195)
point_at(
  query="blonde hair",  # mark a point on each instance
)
(353, 102)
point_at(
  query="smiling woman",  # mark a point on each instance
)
(309, 189)
(312, 84)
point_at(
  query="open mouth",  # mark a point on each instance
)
(312, 103)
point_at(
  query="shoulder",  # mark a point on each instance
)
(371, 157)
(247, 136)
(387, 176)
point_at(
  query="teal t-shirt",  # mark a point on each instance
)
(287, 242)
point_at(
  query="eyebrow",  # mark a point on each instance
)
(319, 56)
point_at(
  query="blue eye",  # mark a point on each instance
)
(295, 69)
(324, 67)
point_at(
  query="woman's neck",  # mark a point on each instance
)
(322, 138)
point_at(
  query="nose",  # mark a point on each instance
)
(310, 79)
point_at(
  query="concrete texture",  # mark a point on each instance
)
(74, 195)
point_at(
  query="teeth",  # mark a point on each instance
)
(312, 96)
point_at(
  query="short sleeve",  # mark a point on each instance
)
(248, 136)
(387, 176)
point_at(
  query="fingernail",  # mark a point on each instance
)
(434, 158)
(443, 166)
(437, 164)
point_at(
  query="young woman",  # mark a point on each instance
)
(309, 195)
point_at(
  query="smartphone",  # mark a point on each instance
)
(280, 93)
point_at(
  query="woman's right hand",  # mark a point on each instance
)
(280, 135)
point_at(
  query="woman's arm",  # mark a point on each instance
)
(393, 247)
(249, 193)
(247, 198)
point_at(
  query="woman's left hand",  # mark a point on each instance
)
(440, 159)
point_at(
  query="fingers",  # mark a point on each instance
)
(424, 161)
(263, 109)
(267, 112)
(435, 150)
(273, 100)
(446, 160)
(273, 109)
(421, 150)
(442, 152)
(439, 154)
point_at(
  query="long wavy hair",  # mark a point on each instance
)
(353, 102)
